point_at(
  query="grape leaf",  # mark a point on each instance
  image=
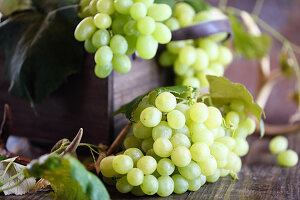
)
(129, 108)
(7, 7)
(68, 177)
(222, 91)
(286, 65)
(40, 51)
(246, 44)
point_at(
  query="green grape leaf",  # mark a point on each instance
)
(129, 108)
(2, 157)
(222, 91)
(198, 5)
(68, 178)
(7, 7)
(286, 65)
(40, 51)
(246, 44)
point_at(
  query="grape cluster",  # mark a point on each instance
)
(192, 60)
(115, 29)
(286, 158)
(178, 145)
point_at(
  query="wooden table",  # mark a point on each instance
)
(260, 178)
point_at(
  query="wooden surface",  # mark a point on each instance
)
(260, 178)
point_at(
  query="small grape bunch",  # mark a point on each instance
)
(192, 60)
(285, 158)
(178, 145)
(115, 29)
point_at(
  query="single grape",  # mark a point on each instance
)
(185, 131)
(249, 124)
(146, 25)
(214, 119)
(237, 105)
(149, 185)
(119, 23)
(190, 171)
(161, 130)
(180, 140)
(166, 186)
(176, 119)
(219, 151)
(204, 136)
(165, 167)
(228, 141)
(121, 63)
(123, 6)
(278, 144)
(191, 81)
(122, 164)
(84, 12)
(162, 33)
(146, 46)
(166, 59)
(103, 71)
(118, 44)
(100, 38)
(89, 47)
(181, 156)
(218, 132)
(137, 191)
(130, 28)
(141, 131)
(107, 167)
(240, 132)
(123, 186)
(185, 19)
(241, 147)
(200, 151)
(232, 119)
(181, 185)
(194, 184)
(196, 127)
(135, 154)
(165, 102)
(147, 3)
(147, 164)
(150, 117)
(132, 142)
(210, 47)
(172, 24)
(209, 166)
(84, 3)
(187, 55)
(213, 178)
(106, 6)
(183, 7)
(222, 163)
(234, 163)
(199, 112)
(103, 55)
(147, 144)
(159, 12)
(201, 61)
(162, 147)
(93, 7)
(182, 108)
(102, 20)
(151, 153)
(85, 29)
(176, 46)
(135, 177)
(138, 11)
(179, 68)
(288, 158)
(225, 56)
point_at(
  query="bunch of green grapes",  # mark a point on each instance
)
(192, 60)
(114, 29)
(176, 146)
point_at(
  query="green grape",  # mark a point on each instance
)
(121, 63)
(278, 144)
(237, 105)
(185, 19)
(190, 171)
(175, 47)
(165, 102)
(213, 178)
(103, 55)
(241, 147)
(149, 185)
(194, 184)
(249, 124)
(93, 7)
(218, 132)
(288, 158)
(210, 47)
(179, 68)
(243, 116)
(135, 177)
(141, 131)
(123, 6)
(85, 29)
(203, 179)
(225, 55)
(106, 6)
(191, 81)
(201, 61)
(102, 20)
(147, 164)
(131, 40)
(221, 163)
(240, 132)
(150, 117)
(234, 163)
(151, 152)
(85, 12)
(109, 180)
(146, 46)
(166, 59)
(224, 172)
(181, 185)
(172, 24)
(138, 11)
(137, 191)
(142, 105)
(165, 167)
(200, 151)
(199, 112)
(180, 140)
(147, 144)
(165, 186)
(135, 154)
(122, 164)
(209, 166)
(147, 3)
(89, 47)
(159, 12)
(119, 23)
(181, 156)
(232, 119)
(162, 33)
(201, 17)
(219, 151)
(118, 44)
(176, 119)
(162, 130)
(103, 71)
(123, 186)
(130, 28)
(182, 7)
(214, 119)
(162, 147)
(132, 142)
(204, 136)
(146, 25)
(107, 167)
(84, 3)
(228, 141)
(217, 68)
(185, 130)
(182, 108)
(101, 38)
(196, 127)
(187, 55)
(190, 73)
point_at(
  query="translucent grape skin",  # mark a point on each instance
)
(162, 33)
(146, 46)
(123, 6)
(138, 10)
(107, 168)
(161, 130)
(150, 117)
(165, 167)
(146, 25)
(121, 63)
(135, 154)
(219, 151)
(89, 47)
(278, 144)
(187, 55)
(241, 147)
(166, 186)
(209, 166)
(288, 158)
(180, 140)
(199, 112)
(165, 102)
(214, 119)
(103, 71)
(100, 38)
(200, 151)
(213, 178)
(102, 21)
(181, 185)
(147, 164)
(190, 171)
(118, 44)
(232, 119)
(135, 177)
(147, 144)
(123, 186)
(103, 56)
(106, 6)
(181, 156)
(204, 136)
(162, 147)
(228, 141)
(122, 164)
(176, 119)
(159, 12)
(141, 131)
(85, 29)
(210, 47)
(194, 184)
(149, 185)
(132, 142)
